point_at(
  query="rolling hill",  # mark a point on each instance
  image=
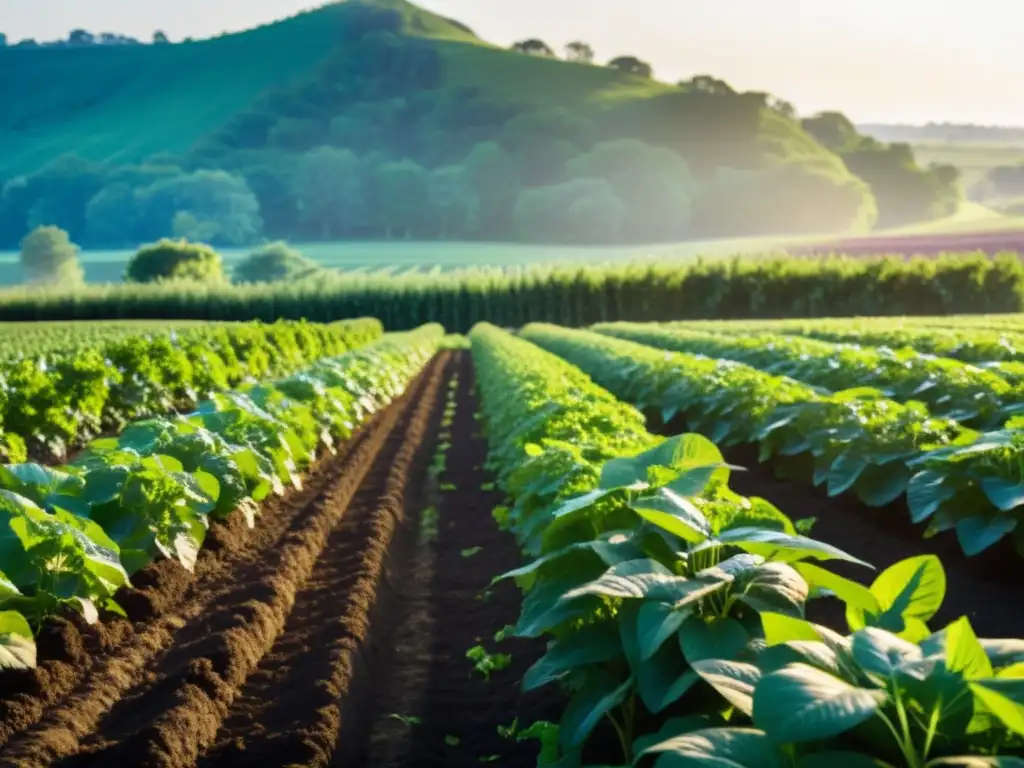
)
(124, 104)
(375, 119)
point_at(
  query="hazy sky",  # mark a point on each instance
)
(876, 60)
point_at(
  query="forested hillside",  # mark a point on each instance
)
(379, 120)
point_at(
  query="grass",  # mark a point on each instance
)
(123, 104)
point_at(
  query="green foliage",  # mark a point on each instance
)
(274, 261)
(584, 210)
(175, 260)
(73, 536)
(787, 198)
(676, 606)
(631, 547)
(571, 295)
(905, 192)
(59, 399)
(950, 388)
(49, 256)
(854, 441)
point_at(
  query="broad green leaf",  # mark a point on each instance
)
(544, 609)
(964, 654)
(650, 580)
(777, 545)
(591, 645)
(1004, 698)
(801, 704)
(664, 677)
(601, 693)
(722, 638)
(7, 588)
(844, 472)
(910, 589)
(883, 484)
(655, 624)
(17, 646)
(978, 761)
(1005, 652)
(1004, 495)
(881, 653)
(779, 629)
(718, 748)
(925, 492)
(683, 452)
(673, 727)
(774, 587)
(850, 592)
(675, 514)
(734, 680)
(977, 533)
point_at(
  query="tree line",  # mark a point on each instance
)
(81, 38)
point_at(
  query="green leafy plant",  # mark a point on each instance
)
(487, 663)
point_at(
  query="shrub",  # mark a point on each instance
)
(49, 256)
(175, 260)
(273, 261)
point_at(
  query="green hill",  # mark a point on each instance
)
(123, 104)
(375, 119)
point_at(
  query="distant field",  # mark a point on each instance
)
(974, 159)
(109, 266)
(974, 227)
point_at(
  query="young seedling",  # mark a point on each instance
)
(487, 663)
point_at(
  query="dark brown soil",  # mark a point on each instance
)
(432, 708)
(279, 611)
(985, 588)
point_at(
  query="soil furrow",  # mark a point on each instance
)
(158, 698)
(431, 707)
(70, 650)
(292, 708)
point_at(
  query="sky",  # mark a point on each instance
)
(876, 60)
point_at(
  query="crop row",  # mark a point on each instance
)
(852, 441)
(52, 403)
(674, 607)
(34, 339)
(950, 388)
(70, 537)
(999, 350)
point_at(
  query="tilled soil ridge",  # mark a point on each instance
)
(157, 693)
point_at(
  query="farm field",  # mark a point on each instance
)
(973, 158)
(389, 258)
(975, 228)
(392, 548)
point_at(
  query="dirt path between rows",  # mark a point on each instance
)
(281, 611)
(432, 708)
